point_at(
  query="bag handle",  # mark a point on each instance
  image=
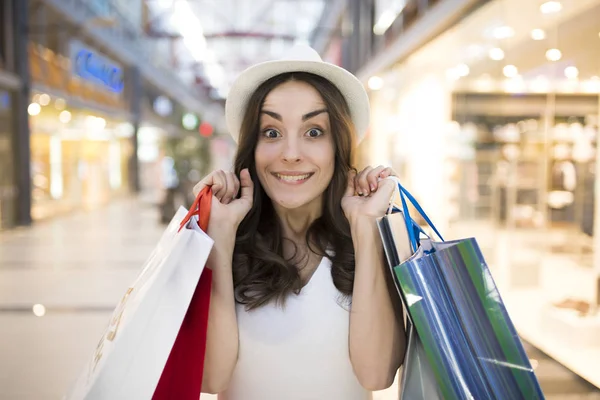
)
(420, 210)
(200, 208)
(404, 194)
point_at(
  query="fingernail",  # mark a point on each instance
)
(360, 193)
(372, 188)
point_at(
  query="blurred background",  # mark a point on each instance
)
(111, 110)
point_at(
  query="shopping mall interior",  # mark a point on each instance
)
(487, 110)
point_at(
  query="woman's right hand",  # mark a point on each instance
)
(226, 208)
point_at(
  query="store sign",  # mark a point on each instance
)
(95, 67)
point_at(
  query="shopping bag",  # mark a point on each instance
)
(417, 381)
(142, 353)
(457, 311)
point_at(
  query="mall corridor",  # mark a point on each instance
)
(75, 269)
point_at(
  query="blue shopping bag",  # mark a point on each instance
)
(462, 326)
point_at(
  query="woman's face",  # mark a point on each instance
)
(295, 155)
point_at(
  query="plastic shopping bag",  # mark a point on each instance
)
(154, 345)
(418, 381)
(469, 341)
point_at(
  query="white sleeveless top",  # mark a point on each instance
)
(299, 352)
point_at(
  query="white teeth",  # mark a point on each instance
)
(292, 178)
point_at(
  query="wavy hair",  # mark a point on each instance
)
(261, 274)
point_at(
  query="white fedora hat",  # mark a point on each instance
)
(299, 58)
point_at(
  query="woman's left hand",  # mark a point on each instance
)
(368, 194)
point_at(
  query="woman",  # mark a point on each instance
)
(300, 307)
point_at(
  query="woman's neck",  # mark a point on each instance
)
(295, 223)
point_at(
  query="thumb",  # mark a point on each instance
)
(247, 186)
(350, 189)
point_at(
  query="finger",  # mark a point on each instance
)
(236, 185)
(198, 188)
(209, 180)
(350, 189)
(220, 185)
(385, 191)
(247, 186)
(388, 171)
(230, 192)
(362, 186)
(372, 177)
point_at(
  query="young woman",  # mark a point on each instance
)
(301, 307)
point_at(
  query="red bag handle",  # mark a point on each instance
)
(181, 378)
(201, 208)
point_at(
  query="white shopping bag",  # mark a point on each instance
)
(131, 355)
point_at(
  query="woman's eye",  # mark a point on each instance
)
(270, 133)
(314, 132)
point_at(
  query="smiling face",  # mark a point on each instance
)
(295, 151)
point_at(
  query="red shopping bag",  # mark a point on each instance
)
(181, 378)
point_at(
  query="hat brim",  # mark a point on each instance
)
(249, 80)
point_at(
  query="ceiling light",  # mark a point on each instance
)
(39, 310)
(462, 70)
(386, 19)
(553, 55)
(496, 54)
(538, 34)
(504, 32)
(551, 7)
(34, 109)
(64, 116)
(375, 83)
(510, 71)
(44, 99)
(571, 72)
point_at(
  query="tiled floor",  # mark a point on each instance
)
(78, 267)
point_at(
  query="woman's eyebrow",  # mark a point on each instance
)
(305, 117)
(313, 114)
(272, 114)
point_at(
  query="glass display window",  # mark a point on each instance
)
(504, 107)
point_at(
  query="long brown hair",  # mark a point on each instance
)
(261, 274)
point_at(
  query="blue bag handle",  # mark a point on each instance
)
(411, 225)
(420, 210)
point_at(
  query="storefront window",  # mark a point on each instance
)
(494, 126)
(78, 158)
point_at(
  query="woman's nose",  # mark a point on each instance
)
(292, 151)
